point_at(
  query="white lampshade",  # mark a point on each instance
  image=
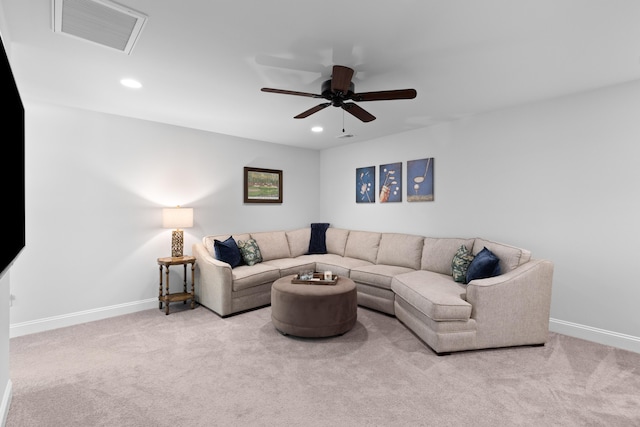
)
(177, 217)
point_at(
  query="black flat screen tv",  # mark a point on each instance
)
(12, 237)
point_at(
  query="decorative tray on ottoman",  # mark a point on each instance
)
(318, 279)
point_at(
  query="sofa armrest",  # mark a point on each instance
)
(214, 281)
(513, 308)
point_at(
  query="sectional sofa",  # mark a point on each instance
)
(407, 276)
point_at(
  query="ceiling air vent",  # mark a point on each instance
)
(99, 21)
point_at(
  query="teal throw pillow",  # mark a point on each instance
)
(250, 251)
(460, 264)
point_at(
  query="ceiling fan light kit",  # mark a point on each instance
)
(340, 89)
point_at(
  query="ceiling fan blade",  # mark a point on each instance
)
(290, 92)
(358, 112)
(341, 78)
(310, 111)
(385, 95)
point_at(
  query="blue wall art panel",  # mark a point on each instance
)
(420, 180)
(366, 185)
(391, 182)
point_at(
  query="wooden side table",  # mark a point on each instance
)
(184, 296)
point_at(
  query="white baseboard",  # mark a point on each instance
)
(54, 322)
(600, 336)
(6, 402)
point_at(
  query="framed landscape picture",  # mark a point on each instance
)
(420, 180)
(262, 185)
(366, 185)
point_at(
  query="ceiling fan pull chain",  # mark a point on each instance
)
(342, 121)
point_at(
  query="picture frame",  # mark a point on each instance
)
(390, 183)
(262, 185)
(420, 186)
(366, 184)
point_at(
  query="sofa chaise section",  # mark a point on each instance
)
(509, 309)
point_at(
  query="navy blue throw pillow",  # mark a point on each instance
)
(484, 265)
(318, 241)
(228, 251)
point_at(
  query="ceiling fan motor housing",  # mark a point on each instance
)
(336, 98)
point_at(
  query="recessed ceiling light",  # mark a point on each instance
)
(131, 83)
(316, 129)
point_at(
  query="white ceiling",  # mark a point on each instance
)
(202, 62)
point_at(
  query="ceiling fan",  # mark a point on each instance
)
(339, 89)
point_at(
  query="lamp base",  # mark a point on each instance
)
(177, 243)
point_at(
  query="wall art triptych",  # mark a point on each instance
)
(419, 184)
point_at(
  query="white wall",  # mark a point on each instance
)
(95, 186)
(559, 178)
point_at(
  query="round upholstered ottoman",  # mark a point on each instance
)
(313, 311)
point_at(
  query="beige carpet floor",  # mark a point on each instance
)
(193, 368)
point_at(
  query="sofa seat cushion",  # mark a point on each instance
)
(288, 266)
(378, 275)
(433, 294)
(451, 327)
(245, 276)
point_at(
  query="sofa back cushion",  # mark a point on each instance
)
(403, 250)
(336, 239)
(438, 253)
(298, 241)
(363, 245)
(208, 241)
(272, 244)
(510, 256)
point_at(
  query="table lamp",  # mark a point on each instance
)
(177, 218)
